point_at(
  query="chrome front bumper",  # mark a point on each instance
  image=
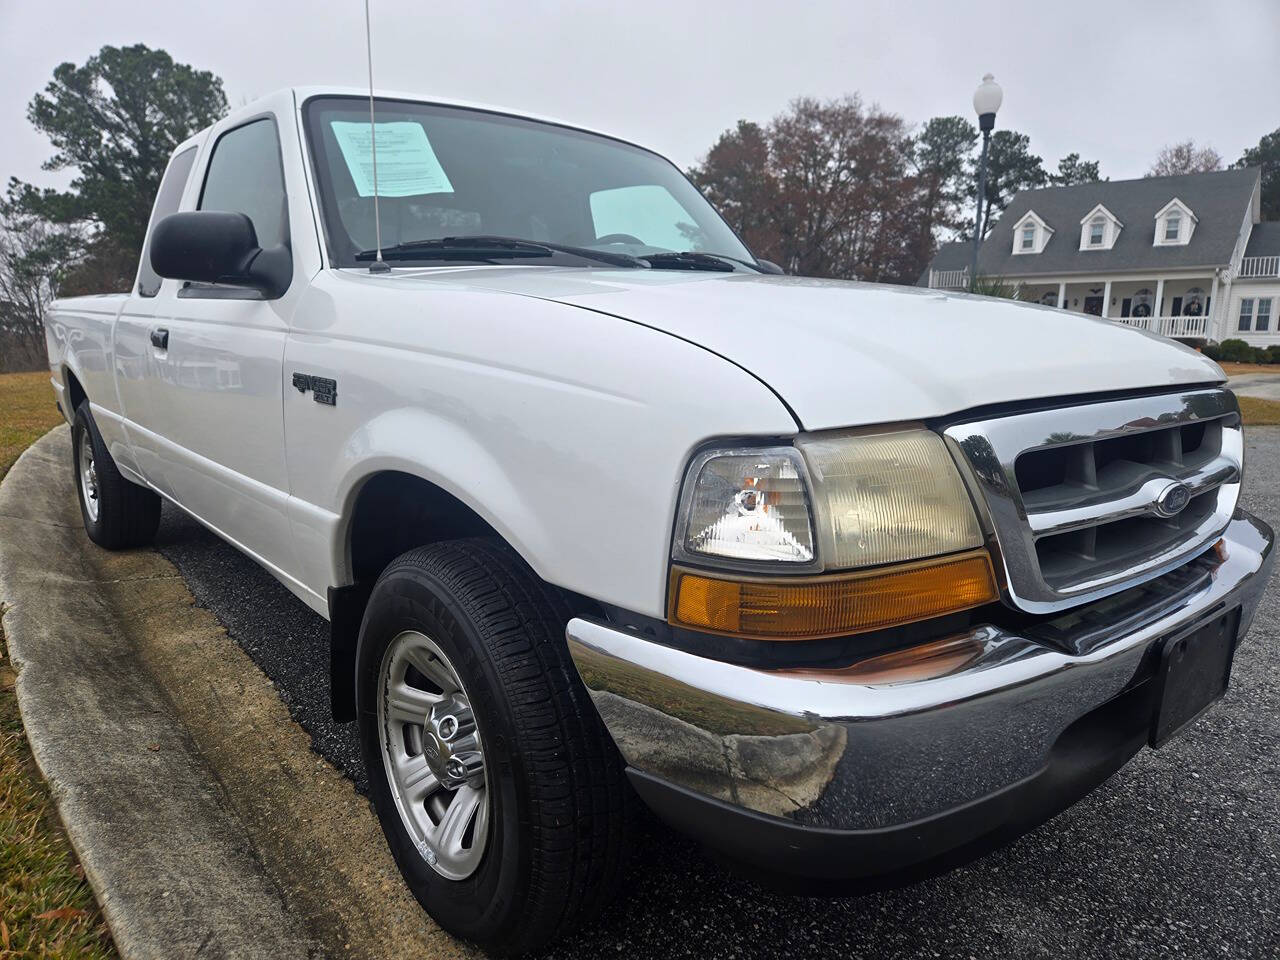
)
(818, 773)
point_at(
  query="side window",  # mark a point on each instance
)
(245, 177)
(1246, 313)
(1262, 321)
(167, 199)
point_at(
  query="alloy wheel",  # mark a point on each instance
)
(433, 755)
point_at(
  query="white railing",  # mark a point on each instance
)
(949, 279)
(1196, 328)
(1259, 267)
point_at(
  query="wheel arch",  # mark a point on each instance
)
(75, 390)
(394, 510)
(389, 511)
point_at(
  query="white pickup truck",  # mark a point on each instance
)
(849, 582)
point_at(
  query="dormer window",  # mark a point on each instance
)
(1175, 223)
(1030, 234)
(1099, 229)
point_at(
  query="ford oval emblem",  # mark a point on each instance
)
(1173, 499)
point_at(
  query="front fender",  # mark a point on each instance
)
(396, 440)
(567, 430)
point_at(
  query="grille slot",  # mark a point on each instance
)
(1107, 469)
(1080, 498)
(1069, 558)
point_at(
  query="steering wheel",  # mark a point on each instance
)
(620, 238)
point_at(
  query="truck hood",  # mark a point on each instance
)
(841, 353)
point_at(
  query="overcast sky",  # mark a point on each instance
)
(1113, 80)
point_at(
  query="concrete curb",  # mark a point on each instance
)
(174, 870)
(205, 823)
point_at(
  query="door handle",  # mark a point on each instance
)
(160, 338)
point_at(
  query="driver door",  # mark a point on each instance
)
(218, 352)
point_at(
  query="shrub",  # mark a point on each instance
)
(1272, 353)
(1212, 350)
(996, 287)
(1237, 351)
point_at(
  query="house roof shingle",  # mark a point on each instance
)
(955, 255)
(1219, 200)
(1264, 241)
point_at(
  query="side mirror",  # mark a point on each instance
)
(208, 246)
(768, 266)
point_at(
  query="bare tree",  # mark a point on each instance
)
(737, 177)
(34, 257)
(1185, 157)
(825, 189)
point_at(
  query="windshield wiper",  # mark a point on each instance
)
(691, 260)
(753, 264)
(480, 247)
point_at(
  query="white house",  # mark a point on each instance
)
(1184, 256)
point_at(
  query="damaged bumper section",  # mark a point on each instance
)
(906, 764)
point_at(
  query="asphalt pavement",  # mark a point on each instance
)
(1178, 855)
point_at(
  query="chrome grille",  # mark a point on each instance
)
(1087, 500)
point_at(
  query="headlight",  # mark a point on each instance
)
(885, 515)
(888, 498)
(746, 506)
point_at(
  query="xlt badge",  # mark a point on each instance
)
(323, 390)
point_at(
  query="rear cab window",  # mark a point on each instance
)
(646, 212)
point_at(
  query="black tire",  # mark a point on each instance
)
(127, 515)
(561, 810)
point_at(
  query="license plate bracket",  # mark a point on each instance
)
(1193, 673)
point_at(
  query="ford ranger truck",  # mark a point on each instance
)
(850, 583)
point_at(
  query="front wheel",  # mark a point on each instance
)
(499, 790)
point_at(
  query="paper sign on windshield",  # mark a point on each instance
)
(407, 166)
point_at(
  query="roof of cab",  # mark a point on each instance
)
(301, 94)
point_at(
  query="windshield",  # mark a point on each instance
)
(454, 172)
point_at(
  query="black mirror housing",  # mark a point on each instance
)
(209, 246)
(768, 266)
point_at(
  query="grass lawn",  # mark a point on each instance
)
(46, 907)
(1238, 369)
(26, 413)
(1258, 412)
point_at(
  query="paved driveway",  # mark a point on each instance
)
(1177, 855)
(1264, 385)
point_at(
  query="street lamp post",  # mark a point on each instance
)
(986, 101)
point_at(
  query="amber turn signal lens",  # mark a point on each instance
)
(813, 607)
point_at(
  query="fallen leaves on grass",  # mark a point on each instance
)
(62, 913)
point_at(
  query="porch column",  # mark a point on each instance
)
(1062, 295)
(1228, 331)
(1211, 324)
(1159, 304)
(1106, 300)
